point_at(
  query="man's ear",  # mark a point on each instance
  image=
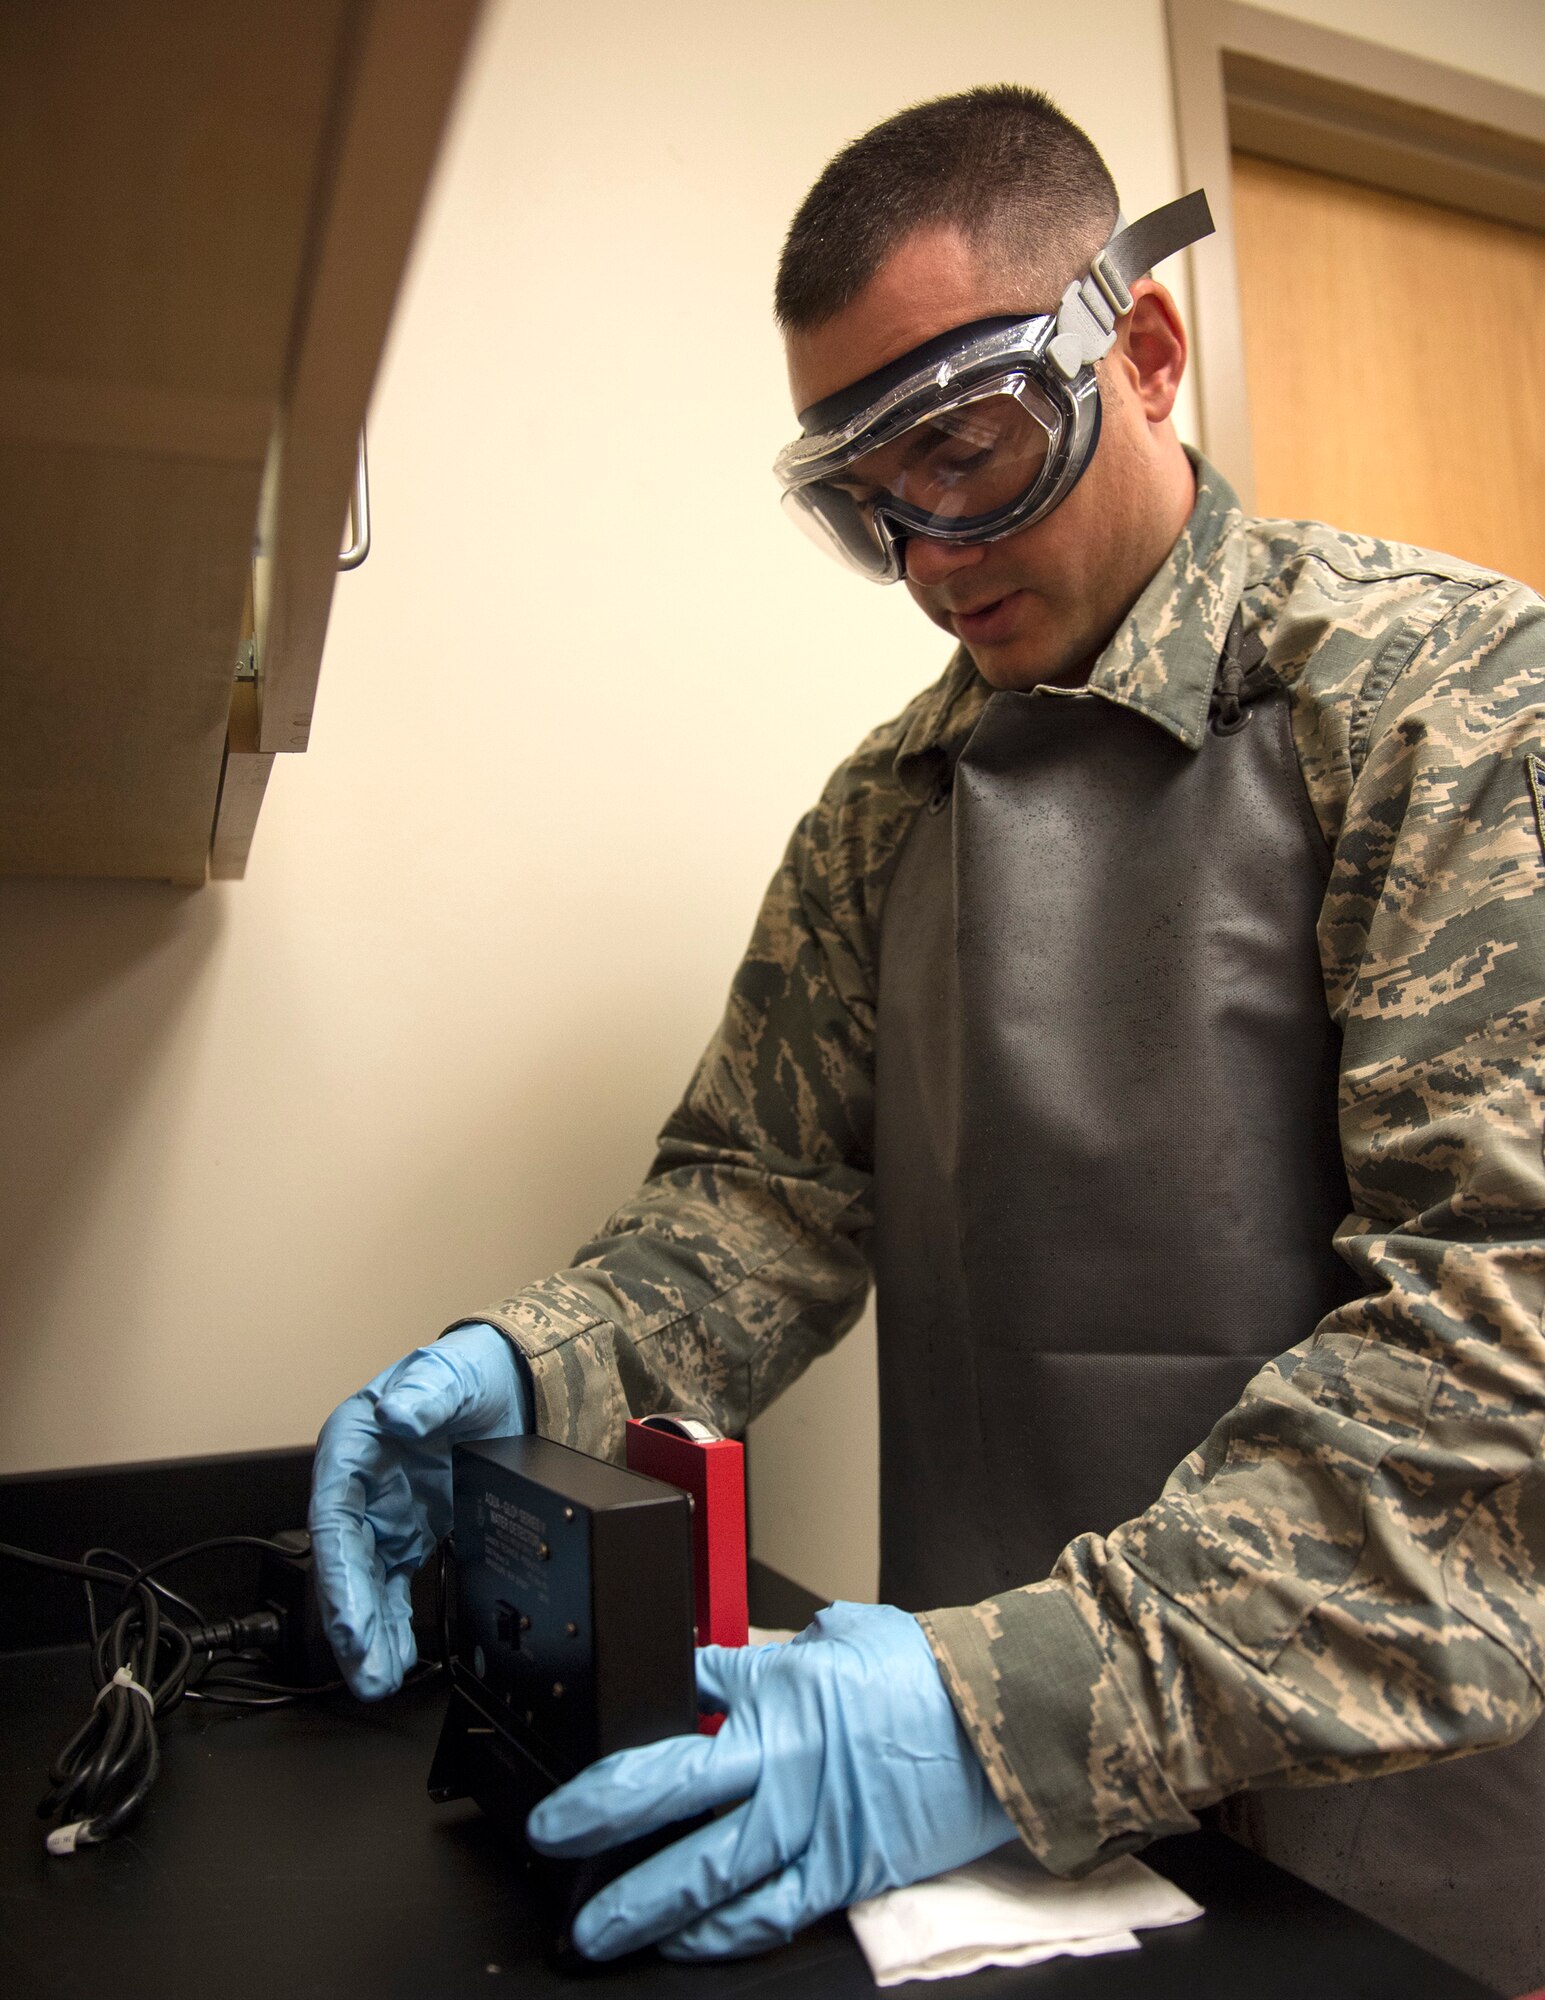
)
(1153, 349)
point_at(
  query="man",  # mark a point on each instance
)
(1190, 921)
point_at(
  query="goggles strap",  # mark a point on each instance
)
(1090, 307)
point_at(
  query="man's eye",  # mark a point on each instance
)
(948, 469)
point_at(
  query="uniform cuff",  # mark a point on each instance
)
(570, 1351)
(1045, 1712)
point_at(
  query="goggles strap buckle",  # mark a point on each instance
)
(1086, 328)
(1110, 281)
(1091, 306)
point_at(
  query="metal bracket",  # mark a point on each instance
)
(693, 1429)
(359, 512)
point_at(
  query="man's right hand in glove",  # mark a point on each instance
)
(381, 1490)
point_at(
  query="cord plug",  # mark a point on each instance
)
(263, 1629)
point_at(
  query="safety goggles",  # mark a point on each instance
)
(980, 432)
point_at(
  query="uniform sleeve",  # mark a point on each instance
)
(742, 1256)
(1348, 1577)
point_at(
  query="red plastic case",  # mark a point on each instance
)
(713, 1472)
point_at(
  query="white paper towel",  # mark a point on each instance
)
(1006, 1910)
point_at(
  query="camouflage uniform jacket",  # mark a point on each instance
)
(1348, 1575)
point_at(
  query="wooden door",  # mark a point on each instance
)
(1396, 365)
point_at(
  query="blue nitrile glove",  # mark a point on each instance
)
(856, 1777)
(381, 1490)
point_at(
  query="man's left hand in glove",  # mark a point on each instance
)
(848, 1772)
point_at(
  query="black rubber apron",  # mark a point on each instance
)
(1107, 1175)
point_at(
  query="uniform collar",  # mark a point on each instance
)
(1161, 662)
(1164, 657)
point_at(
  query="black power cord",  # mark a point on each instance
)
(156, 1651)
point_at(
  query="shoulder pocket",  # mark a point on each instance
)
(1534, 771)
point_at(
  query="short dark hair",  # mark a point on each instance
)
(1001, 162)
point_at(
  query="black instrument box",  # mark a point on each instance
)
(570, 1624)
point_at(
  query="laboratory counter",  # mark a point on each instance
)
(294, 1854)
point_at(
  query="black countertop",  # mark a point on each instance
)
(293, 1854)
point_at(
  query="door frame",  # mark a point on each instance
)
(1312, 97)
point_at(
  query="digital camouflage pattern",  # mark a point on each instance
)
(1347, 1577)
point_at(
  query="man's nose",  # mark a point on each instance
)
(930, 563)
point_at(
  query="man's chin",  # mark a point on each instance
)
(1012, 644)
(1025, 662)
(1017, 646)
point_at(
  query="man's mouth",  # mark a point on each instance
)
(987, 621)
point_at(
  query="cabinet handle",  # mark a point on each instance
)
(359, 512)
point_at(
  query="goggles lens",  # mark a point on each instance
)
(840, 527)
(960, 463)
(964, 472)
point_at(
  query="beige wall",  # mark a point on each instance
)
(260, 1139)
(1502, 39)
